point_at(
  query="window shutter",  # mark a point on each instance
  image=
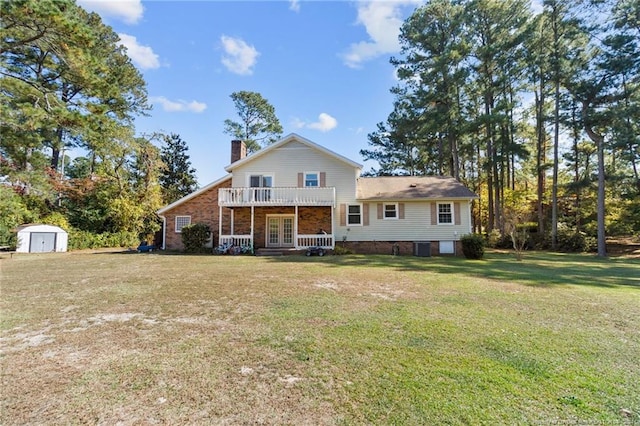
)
(434, 213)
(300, 180)
(343, 215)
(380, 212)
(323, 179)
(456, 213)
(365, 214)
(400, 210)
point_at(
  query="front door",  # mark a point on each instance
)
(280, 231)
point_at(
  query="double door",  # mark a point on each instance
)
(280, 231)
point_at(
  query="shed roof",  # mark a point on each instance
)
(39, 227)
(411, 187)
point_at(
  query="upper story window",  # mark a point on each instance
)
(354, 214)
(390, 211)
(312, 179)
(181, 222)
(445, 213)
(260, 181)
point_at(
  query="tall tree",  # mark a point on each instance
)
(178, 178)
(67, 79)
(258, 125)
(497, 30)
(431, 71)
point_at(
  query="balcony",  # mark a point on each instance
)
(276, 196)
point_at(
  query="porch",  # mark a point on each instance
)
(290, 227)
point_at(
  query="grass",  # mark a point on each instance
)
(151, 338)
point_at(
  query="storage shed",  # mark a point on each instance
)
(41, 239)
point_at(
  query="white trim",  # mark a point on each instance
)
(192, 195)
(396, 211)
(361, 214)
(289, 138)
(449, 203)
(262, 175)
(304, 179)
(175, 223)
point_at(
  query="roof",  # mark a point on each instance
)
(411, 187)
(193, 194)
(289, 138)
(39, 227)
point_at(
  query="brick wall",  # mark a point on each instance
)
(202, 208)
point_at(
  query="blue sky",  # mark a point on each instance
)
(323, 65)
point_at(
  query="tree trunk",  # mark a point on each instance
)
(599, 141)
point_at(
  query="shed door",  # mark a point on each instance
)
(42, 242)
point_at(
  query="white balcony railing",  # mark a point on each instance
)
(277, 196)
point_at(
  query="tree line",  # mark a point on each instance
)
(538, 113)
(68, 84)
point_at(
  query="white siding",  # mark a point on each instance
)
(285, 162)
(416, 225)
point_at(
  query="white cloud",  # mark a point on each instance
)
(143, 56)
(294, 5)
(179, 105)
(382, 20)
(324, 124)
(129, 11)
(239, 57)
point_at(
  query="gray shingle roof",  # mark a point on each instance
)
(411, 187)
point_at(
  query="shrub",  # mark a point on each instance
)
(575, 242)
(472, 246)
(340, 250)
(79, 240)
(194, 237)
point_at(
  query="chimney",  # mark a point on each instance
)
(238, 150)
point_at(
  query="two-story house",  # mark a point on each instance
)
(296, 194)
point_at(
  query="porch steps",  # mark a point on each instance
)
(275, 251)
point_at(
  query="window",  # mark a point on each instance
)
(390, 211)
(445, 213)
(260, 181)
(354, 214)
(312, 179)
(181, 222)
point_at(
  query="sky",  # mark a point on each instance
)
(323, 65)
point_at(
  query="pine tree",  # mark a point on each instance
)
(178, 177)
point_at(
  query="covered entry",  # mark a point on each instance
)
(41, 239)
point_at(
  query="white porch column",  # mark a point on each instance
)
(232, 217)
(253, 243)
(333, 227)
(219, 223)
(295, 227)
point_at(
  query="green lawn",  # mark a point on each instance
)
(153, 338)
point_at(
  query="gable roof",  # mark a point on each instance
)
(411, 187)
(289, 138)
(192, 195)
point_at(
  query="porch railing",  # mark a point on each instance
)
(326, 241)
(236, 240)
(276, 196)
(315, 240)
